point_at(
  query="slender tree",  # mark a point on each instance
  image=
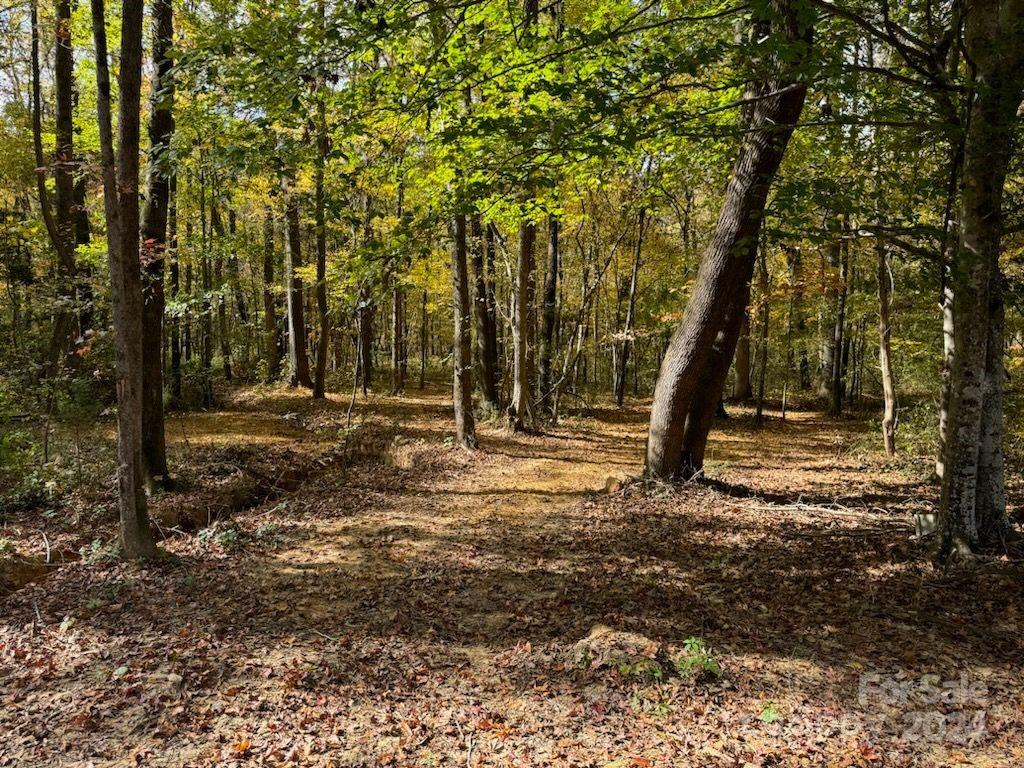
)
(462, 345)
(121, 199)
(154, 245)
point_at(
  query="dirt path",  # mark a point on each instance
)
(425, 610)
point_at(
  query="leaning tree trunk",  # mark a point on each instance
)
(121, 202)
(973, 510)
(462, 343)
(727, 265)
(298, 359)
(707, 401)
(521, 408)
(154, 247)
(884, 354)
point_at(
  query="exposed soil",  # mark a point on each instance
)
(418, 605)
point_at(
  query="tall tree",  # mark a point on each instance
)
(723, 281)
(462, 343)
(272, 350)
(121, 201)
(154, 244)
(973, 507)
(298, 358)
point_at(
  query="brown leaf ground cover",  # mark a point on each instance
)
(408, 604)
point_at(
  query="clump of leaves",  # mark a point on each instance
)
(33, 492)
(769, 714)
(98, 551)
(640, 670)
(226, 536)
(696, 661)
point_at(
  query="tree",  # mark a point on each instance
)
(705, 341)
(154, 245)
(973, 508)
(462, 345)
(298, 358)
(121, 198)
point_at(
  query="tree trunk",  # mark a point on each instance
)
(320, 370)
(223, 331)
(298, 360)
(884, 362)
(485, 332)
(839, 341)
(627, 330)
(121, 201)
(175, 280)
(59, 227)
(550, 316)
(948, 345)
(742, 390)
(972, 511)
(365, 319)
(520, 410)
(462, 344)
(154, 247)
(423, 341)
(762, 343)
(727, 265)
(397, 335)
(273, 350)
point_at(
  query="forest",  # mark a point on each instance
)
(607, 383)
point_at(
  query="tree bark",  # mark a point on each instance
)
(298, 359)
(884, 353)
(743, 391)
(762, 345)
(462, 344)
(59, 222)
(423, 341)
(550, 316)
(121, 201)
(972, 512)
(273, 350)
(154, 247)
(175, 284)
(485, 332)
(627, 329)
(838, 338)
(320, 369)
(520, 410)
(728, 262)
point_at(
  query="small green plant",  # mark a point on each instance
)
(644, 670)
(98, 551)
(696, 660)
(227, 537)
(7, 547)
(769, 714)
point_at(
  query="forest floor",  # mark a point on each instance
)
(389, 600)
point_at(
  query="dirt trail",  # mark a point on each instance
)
(421, 607)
